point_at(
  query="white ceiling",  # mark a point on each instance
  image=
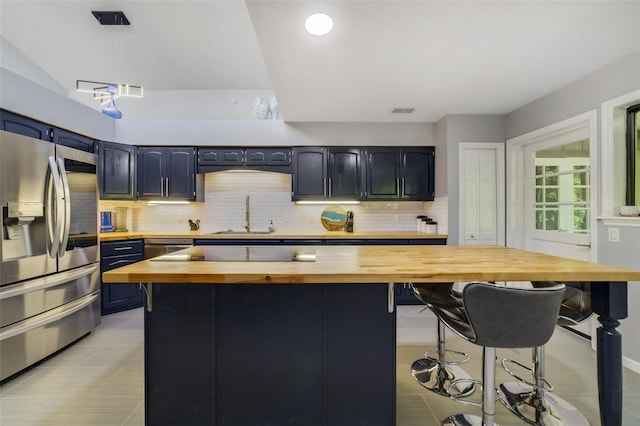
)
(440, 57)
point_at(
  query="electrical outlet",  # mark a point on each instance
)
(614, 235)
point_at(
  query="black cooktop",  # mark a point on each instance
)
(241, 254)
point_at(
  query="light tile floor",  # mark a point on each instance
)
(99, 380)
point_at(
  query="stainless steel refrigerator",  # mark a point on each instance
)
(49, 269)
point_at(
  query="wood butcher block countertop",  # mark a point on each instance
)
(133, 235)
(375, 264)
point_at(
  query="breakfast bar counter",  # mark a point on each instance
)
(304, 335)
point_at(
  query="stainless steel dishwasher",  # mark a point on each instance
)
(154, 247)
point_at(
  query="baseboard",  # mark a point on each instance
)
(631, 364)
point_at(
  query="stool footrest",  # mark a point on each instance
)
(437, 357)
(460, 398)
(505, 361)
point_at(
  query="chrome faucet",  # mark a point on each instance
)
(247, 214)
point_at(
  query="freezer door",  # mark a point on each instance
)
(79, 221)
(33, 297)
(24, 185)
(27, 342)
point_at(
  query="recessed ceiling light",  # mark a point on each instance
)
(318, 24)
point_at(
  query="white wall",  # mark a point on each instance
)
(253, 132)
(583, 95)
(465, 128)
(616, 79)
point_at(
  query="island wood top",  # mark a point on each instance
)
(277, 235)
(376, 264)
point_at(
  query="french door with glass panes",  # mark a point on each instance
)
(558, 195)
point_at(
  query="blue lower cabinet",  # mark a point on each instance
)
(405, 295)
(259, 354)
(118, 297)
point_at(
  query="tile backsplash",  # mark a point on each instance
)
(269, 200)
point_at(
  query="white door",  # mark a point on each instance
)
(551, 202)
(558, 196)
(481, 204)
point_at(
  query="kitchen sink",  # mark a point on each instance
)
(232, 232)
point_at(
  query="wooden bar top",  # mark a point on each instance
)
(390, 235)
(375, 264)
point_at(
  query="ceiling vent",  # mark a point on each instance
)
(402, 110)
(111, 18)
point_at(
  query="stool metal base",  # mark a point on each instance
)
(550, 410)
(437, 377)
(463, 420)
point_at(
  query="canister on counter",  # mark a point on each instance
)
(431, 227)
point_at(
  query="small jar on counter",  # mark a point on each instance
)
(431, 227)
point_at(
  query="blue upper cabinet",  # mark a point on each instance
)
(323, 173)
(167, 173)
(117, 171)
(383, 173)
(309, 173)
(26, 126)
(345, 174)
(16, 123)
(417, 174)
(73, 140)
(404, 173)
(272, 159)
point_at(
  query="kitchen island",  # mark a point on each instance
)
(245, 336)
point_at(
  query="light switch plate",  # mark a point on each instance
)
(614, 235)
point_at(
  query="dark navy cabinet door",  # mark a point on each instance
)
(151, 172)
(220, 156)
(383, 173)
(166, 172)
(25, 126)
(257, 156)
(73, 140)
(309, 173)
(278, 156)
(117, 171)
(344, 173)
(418, 174)
(180, 173)
(118, 297)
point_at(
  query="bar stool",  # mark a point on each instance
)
(503, 317)
(437, 373)
(533, 401)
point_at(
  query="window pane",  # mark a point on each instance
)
(581, 221)
(539, 219)
(562, 200)
(580, 194)
(581, 178)
(551, 195)
(551, 220)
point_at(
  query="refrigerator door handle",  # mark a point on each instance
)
(66, 207)
(55, 315)
(54, 206)
(46, 282)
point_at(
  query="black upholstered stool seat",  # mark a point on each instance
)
(533, 401)
(503, 317)
(440, 368)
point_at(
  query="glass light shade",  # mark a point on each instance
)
(318, 24)
(111, 110)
